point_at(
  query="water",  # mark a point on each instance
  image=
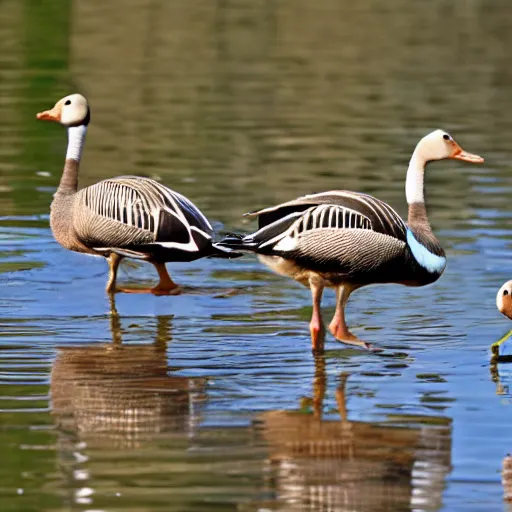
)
(212, 400)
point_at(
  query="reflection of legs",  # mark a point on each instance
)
(316, 326)
(163, 332)
(341, 399)
(338, 327)
(115, 323)
(319, 386)
(113, 263)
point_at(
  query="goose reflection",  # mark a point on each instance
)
(501, 375)
(343, 465)
(122, 395)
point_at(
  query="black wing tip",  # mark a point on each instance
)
(221, 251)
(235, 241)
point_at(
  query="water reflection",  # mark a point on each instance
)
(122, 395)
(339, 464)
(114, 397)
(501, 375)
(506, 478)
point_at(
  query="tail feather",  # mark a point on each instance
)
(222, 251)
(237, 242)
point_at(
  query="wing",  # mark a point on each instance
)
(284, 234)
(360, 254)
(282, 226)
(383, 219)
(130, 211)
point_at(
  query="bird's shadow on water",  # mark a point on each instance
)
(215, 292)
(382, 353)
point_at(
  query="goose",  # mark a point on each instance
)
(125, 216)
(504, 300)
(346, 240)
(502, 349)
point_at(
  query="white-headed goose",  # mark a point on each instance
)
(504, 299)
(127, 216)
(346, 240)
(502, 349)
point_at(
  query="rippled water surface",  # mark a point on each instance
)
(212, 400)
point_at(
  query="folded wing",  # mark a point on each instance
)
(141, 216)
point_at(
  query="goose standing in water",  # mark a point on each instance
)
(502, 349)
(126, 216)
(346, 240)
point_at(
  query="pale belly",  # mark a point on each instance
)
(289, 268)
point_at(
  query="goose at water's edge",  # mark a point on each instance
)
(502, 349)
(126, 216)
(346, 240)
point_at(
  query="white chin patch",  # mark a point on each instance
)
(286, 244)
(431, 262)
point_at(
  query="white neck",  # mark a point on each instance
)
(414, 180)
(76, 138)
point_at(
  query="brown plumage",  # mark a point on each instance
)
(126, 216)
(346, 240)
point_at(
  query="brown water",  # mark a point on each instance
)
(212, 400)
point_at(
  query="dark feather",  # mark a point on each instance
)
(171, 229)
(382, 217)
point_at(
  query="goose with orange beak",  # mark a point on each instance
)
(346, 240)
(126, 216)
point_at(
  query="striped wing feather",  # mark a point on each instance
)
(133, 211)
(383, 219)
(283, 225)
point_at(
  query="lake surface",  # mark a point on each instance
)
(212, 400)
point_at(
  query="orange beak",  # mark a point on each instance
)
(50, 115)
(460, 154)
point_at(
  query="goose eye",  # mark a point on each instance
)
(446, 137)
(505, 292)
(68, 102)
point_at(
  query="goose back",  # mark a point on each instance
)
(382, 218)
(142, 218)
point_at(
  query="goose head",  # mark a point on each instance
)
(73, 110)
(504, 299)
(440, 145)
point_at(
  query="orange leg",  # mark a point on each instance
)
(166, 286)
(316, 326)
(338, 326)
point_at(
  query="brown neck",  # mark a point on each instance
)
(418, 216)
(69, 180)
(420, 227)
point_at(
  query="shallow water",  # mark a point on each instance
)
(212, 400)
